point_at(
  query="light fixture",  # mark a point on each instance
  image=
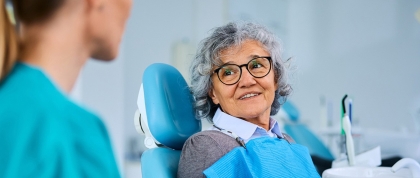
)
(417, 14)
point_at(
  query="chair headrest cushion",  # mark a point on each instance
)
(169, 106)
(291, 111)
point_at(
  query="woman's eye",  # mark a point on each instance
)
(256, 64)
(228, 72)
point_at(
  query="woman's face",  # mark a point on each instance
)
(255, 108)
(108, 27)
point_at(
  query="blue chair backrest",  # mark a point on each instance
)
(170, 117)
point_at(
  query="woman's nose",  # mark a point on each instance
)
(246, 79)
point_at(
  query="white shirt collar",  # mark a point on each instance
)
(244, 129)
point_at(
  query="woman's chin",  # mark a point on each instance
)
(250, 113)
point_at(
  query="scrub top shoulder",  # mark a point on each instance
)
(44, 134)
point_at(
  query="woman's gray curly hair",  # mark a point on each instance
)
(224, 37)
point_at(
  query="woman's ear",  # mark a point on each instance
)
(276, 85)
(213, 96)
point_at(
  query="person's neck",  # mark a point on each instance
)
(262, 123)
(58, 49)
(262, 120)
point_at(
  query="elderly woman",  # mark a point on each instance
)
(238, 81)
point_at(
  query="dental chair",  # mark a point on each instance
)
(320, 154)
(302, 134)
(165, 116)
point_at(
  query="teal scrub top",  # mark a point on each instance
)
(44, 134)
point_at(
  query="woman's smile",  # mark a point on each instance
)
(249, 96)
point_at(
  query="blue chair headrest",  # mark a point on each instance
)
(169, 106)
(291, 111)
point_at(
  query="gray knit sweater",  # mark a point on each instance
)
(203, 149)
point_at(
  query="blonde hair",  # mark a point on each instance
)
(8, 41)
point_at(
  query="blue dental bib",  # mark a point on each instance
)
(265, 157)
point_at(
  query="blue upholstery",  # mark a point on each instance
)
(160, 162)
(170, 117)
(291, 111)
(302, 135)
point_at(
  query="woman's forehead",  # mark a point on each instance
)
(245, 51)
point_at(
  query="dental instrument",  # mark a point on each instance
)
(350, 110)
(343, 111)
(346, 128)
(342, 143)
(349, 140)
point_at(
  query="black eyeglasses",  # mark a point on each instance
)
(230, 74)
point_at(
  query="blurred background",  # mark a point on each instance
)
(369, 50)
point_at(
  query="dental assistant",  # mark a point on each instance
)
(43, 133)
(238, 80)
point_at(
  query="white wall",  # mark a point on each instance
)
(367, 49)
